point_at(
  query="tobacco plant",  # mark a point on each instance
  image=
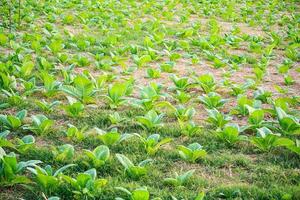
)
(81, 89)
(116, 95)
(230, 134)
(137, 194)
(115, 118)
(111, 137)
(151, 120)
(11, 170)
(64, 153)
(25, 143)
(288, 124)
(179, 180)
(133, 171)
(180, 83)
(47, 179)
(206, 82)
(11, 122)
(98, 156)
(41, 125)
(217, 119)
(212, 100)
(192, 152)
(47, 107)
(86, 185)
(267, 140)
(74, 108)
(152, 143)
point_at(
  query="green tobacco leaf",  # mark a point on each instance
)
(140, 194)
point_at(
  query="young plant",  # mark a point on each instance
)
(256, 118)
(288, 80)
(142, 60)
(82, 89)
(218, 62)
(217, 119)
(181, 84)
(192, 152)
(182, 97)
(283, 103)
(174, 56)
(153, 73)
(64, 153)
(189, 128)
(242, 103)
(206, 82)
(152, 143)
(11, 169)
(179, 180)
(11, 122)
(51, 86)
(75, 108)
(149, 97)
(44, 64)
(137, 194)
(47, 107)
(67, 74)
(25, 71)
(98, 156)
(212, 100)
(241, 89)
(262, 95)
(184, 114)
(295, 147)
(199, 196)
(133, 171)
(267, 140)
(5, 142)
(151, 120)
(259, 73)
(288, 124)
(29, 86)
(86, 185)
(115, 118)
(230, 134)
(152, 92)
(116, 94)
(111, 137)
(25, 143)
(48, 180)
(56, 46)
(7, 81)
(41, 125)
(168, 67)
(13, 98)
(74, 133)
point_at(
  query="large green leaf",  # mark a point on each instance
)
(140, 194)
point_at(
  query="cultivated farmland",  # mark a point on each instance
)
(149, 99)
